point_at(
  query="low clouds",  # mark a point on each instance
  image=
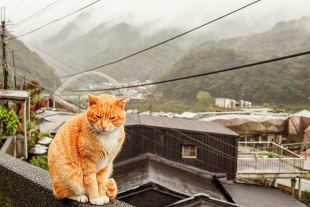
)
(185, 14)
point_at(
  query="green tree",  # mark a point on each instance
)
(205, 98)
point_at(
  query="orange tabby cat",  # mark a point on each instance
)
(80, 156)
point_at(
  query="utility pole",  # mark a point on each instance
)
(14, 75)
(54, 105)
(4, 63)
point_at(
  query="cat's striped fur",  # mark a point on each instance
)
(81, 155)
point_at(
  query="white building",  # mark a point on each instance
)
(225, 103)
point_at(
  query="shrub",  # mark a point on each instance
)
(40, 161)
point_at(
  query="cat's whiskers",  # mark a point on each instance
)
(93, 129)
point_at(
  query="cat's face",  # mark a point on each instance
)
(105, 112)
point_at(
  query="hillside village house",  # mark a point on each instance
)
(166, 160)
(180, 162)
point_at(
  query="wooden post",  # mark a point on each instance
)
(293, 183)
(299, 187)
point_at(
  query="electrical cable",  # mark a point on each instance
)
(25, 68)
(50, 26)
(16, 8)
(43, 88)
(35, 14)
(203, 133)
(208, 164)
(200, 142)
(207, 73)
(161, 43)
(49, 80)
(29, 72)
(53, 21)
(58, 61)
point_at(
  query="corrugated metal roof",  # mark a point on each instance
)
(260, 196)
(14, 95)
(178, 124)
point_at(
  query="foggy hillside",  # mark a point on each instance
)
(110, 41)
(284, 38)
(28, 64)
(283, 82)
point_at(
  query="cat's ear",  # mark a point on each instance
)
(92, 99)
(121, 102)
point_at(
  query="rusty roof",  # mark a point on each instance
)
(178, 124)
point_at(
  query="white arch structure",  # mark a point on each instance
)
(73, 78)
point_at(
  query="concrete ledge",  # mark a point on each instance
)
(22, 184)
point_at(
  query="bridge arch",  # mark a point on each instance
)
(73, 78)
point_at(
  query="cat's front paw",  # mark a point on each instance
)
(79, 198)
(101, 200)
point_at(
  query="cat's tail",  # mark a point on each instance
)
(61, 191)
(111, 188)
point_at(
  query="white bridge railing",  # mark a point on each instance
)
(268, 157)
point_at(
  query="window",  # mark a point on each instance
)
(189, 151)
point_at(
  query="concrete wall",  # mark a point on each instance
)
(22, 184)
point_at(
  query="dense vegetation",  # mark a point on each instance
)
(27, 64)
(278, 82)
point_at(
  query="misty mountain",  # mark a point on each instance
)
(284, 81)
(106, 43)
(113, 40)
(70, 30)
(194, 54)
(284, 38)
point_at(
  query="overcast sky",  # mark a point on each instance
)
(160, 13)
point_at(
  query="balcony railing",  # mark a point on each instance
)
(269, 165)
(268, 158)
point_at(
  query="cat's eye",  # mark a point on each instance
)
(113, 117)
(99, 117)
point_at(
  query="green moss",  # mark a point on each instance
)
(269, 154)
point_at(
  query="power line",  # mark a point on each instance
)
(30, 74)
(58, 61)
(54, 21)
(51, 83)
(36, 14)
(25, 68)
(208, 73)
(16, 8)
(210, 136)
(50, 26)
(29, 82)
(149, 48)
(127, 129)
(200, 142)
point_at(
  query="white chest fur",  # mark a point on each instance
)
(109, 141)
